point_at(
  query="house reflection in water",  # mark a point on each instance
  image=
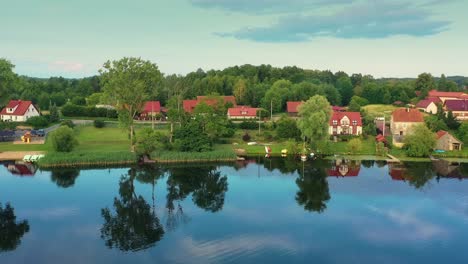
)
(21, 168)
(437, 169)
(447, 169)
(344, 168)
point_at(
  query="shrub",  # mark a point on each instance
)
(286, 127)
(248, 125)
(420, 142)
(63, 139)
(191, 138)
(67, 123)
(38, 122)
(54, 115)
(148, 141)
(72, 110)
(99, 124)
(354, 145)
(246, 137)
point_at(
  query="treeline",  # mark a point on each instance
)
(257, 86)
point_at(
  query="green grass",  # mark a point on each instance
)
(380, 110)
(76, 158)
(368, 147)
(219, 153)
(107, 139)
(9, 146)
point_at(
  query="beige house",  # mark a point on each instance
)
(427, 106)
(402, 122)
(447, 142)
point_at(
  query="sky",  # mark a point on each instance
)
(384, 38)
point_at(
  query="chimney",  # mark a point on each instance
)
(407, 109)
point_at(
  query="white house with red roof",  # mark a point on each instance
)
(19, 111)
(345, 123)
(428, 106)
(151, 109)
(242, 112)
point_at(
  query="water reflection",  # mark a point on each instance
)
(65, 177)
(313, 187)
(21, 168)
(135, 225)
(11, 231)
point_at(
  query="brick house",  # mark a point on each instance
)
(447, 142)
(402, 122)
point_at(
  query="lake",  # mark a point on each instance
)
(254, 211)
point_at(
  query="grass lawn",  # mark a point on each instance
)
(368, 147)
(108, 139)
(380, 110)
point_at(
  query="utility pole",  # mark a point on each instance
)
(259, 120)
(271, 109)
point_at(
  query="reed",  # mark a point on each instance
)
(221, 155)
(74, 159)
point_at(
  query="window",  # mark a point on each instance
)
(354, 123)
(335, 122)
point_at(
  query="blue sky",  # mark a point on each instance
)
(399, 38)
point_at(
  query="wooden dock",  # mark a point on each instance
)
(392, 159)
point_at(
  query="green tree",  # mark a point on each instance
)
(451, 121)
(129, 83)
(314, 116)
(424, 83)
(420, 142)
(94, 99)
(149, 140)
(354, 145)
(463, 133)
(286, 127)
(191, 138)
(63, 139)
(277, 95)
(7, 80)
(11, 231)
(434, 123)
(345, 88)
(442, 83)
(240, 91)
(37, 122)
(54, 114)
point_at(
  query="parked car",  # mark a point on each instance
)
(38, 133)
(7, 135)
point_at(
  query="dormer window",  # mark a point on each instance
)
(354, 123)
(335, 122)
(244, 112)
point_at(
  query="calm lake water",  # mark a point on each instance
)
(258, 211)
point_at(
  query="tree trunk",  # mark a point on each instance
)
(132, 147)
(172, 132)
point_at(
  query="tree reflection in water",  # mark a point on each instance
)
(135, 225)
(313, 187)
(11, 231)
(64, 177)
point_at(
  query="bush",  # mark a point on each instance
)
(148, 141)
(191, 138)
(420, 142)
(248, 125)
(38, 122)
(67, 123)
(354, 145)
(99, 124)
(54, 115)
(72, 110)
(286, 127)
(63, 139)
(246, 137)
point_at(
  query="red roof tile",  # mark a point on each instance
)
(212, 100)
(424, 103)
(441, 133)
(407, 115)
(189, 105)
(434, 93)
(152, 106)
(292, 107)
(352, 116)
(21, 107)
(242, 111)
(456, 105)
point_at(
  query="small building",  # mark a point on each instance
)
(459, 109)
(428, 106)
(447, 142)
(19, 111)
(242, 112)
(189, 105)
(402, 122)
(345, 123)
(151, 109)
(292, 107)
(444, 96)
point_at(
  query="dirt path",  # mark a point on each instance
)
(18, 155)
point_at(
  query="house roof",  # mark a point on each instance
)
(353, 116)
(456, 105)
(441, 133)
(350, 172)
(338, 108)
(434, 93)
(152, 106)
(292, 106)
(407, 115)
(189, 105)
(242, 111)
(424, 103)
(21, 107)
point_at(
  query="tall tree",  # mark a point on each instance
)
(240, 91)
(129, 83)
(345, 88)
(424, 84)
(314, 115)
(7, 79)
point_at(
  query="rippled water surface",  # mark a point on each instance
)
(258, 211)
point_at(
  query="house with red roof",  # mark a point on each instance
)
(443, 96)
(151, 109)
(402, 122)
(427, 105)
(345, 123)
(459, 108)
(18, 111)
(189, 105)
(344, 168)
(242, 112)
(446, 141)
(292, 107)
